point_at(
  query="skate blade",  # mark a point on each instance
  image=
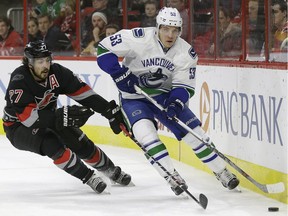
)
(105, 192)
(131, 184)
(115, 184)
(183, 196)
(237, 189)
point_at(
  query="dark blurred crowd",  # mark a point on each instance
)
(54, 21)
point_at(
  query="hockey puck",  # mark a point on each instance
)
(273, 209)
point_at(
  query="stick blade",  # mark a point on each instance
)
(203, 201)
(275, 188)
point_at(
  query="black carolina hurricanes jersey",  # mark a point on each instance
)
(25, 96)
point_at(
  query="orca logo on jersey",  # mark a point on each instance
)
(153, 80)
(205, 106)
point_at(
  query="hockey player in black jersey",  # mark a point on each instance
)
(33, 123)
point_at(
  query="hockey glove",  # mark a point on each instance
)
(174, 107)
(114, 115)
(125, 80)
(72, 116)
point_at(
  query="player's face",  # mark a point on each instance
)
(168, 35)
(41, 68)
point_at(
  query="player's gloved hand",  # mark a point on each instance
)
(125, 80)
(174, 107)
(72, 116)
(114, 115)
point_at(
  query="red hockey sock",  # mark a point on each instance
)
(94, 159)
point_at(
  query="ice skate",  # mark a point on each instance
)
(176, 182)
(228, 179)
(117, 175)
(96, 183)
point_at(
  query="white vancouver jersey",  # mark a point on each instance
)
(158, 71)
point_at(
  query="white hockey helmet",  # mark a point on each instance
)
(170, 17)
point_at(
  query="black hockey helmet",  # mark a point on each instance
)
(37, 49)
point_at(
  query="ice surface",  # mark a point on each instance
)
(31, 185)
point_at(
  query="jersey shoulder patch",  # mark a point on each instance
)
(138, 32)
(17, 77)
(18, 74)
(192, 53)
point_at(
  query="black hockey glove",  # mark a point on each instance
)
(125, 80)
(114, 115)
(72, 116)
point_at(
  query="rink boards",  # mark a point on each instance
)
(244, 110)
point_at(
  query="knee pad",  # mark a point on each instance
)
(192, 140)
(144, 131)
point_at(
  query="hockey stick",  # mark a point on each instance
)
(267, 188)
(203, 201)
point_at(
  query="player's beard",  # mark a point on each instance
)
(38, 77)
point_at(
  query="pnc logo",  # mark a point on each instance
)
(205, 107)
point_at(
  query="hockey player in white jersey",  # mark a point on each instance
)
(164, 66)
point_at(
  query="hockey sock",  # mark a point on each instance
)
(70, 163)
(149, 139)
(158, 151)
(207, 156)
(99, 160)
